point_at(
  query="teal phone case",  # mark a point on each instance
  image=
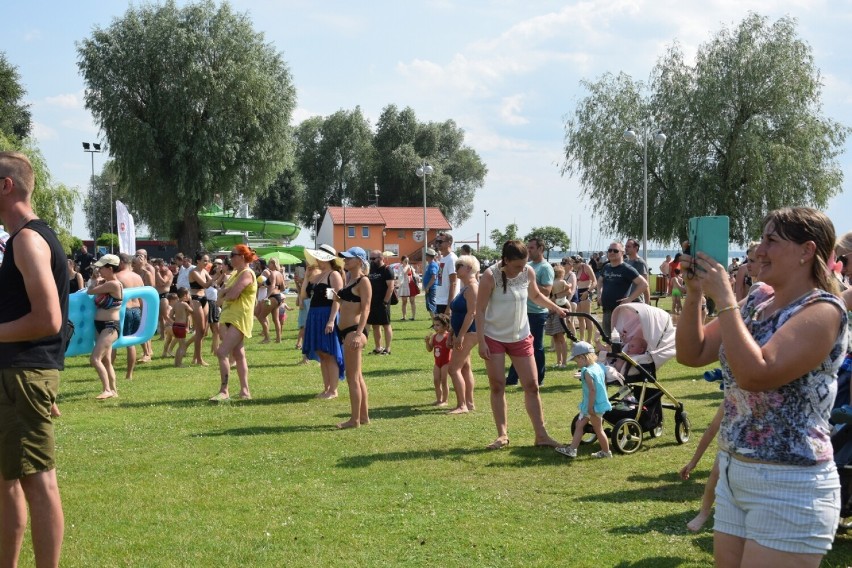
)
(711, 236)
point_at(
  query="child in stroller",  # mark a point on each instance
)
(594, 403)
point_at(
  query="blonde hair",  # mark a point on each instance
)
(586, 359)
(558, 271)
(470, 261)
(17, 166)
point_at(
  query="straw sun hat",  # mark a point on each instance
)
(325, 253)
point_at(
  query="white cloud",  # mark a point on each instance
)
(32, 35)
(300, 115)
(64, 100)
(510, 109)
(43, 132)
(81, 123)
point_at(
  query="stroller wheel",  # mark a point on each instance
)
(627, 436)
(589, 436)
(682, 428)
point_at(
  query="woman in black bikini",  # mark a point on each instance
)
(354, 302)
(108, 295)
(199, 280)
(274, 299)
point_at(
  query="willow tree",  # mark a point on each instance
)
(195, 106)
(744, 128)
(54, 202)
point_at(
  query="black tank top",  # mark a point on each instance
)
(47, 352)
(318, 298)
(347, 295)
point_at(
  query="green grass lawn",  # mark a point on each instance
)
(161, 477)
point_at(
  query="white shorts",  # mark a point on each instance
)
(783, 507)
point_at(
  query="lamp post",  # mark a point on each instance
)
(659, 139)
(422, 171)
(485, 232)
(316, 228)
(92, 148)
(111, 207)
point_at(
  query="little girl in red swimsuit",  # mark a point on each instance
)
(439, 344)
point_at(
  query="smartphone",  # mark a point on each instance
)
(710, 235)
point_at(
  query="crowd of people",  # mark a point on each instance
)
(774, 483)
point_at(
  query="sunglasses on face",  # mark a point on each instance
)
(460, 265)
(613, 251)
(438, 241)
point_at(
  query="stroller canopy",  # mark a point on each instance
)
(636, 322)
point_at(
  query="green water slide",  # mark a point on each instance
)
(263, 228)
(232, 230)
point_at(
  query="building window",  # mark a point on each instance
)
(365, 232)
(351, 231)
(400, 234)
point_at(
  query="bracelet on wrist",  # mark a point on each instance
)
(726, 308)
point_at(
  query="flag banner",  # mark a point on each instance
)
(126, 229)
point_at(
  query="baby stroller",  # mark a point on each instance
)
(643, 340)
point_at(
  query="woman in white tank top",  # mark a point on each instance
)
(503, 328)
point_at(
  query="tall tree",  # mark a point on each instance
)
(15, 118)
(335, 158)
(499, 237)
(194, 103)
(745, 135)
(402, 142)
(283, 199)
(550, 237)
(99, 205)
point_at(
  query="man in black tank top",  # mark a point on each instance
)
(33, 316)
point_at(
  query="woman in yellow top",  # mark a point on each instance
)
(237, 300)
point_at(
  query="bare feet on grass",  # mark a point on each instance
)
(439, 403)
(54, 411)
(547, 442)
(348, 424)
(458, 410)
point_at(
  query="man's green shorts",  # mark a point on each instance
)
(26, 429)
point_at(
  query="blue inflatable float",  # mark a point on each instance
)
(81, 311)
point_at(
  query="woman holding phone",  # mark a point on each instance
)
(778, 497)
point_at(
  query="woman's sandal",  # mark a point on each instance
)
(498, 444)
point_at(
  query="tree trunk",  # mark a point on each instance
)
(189, 234)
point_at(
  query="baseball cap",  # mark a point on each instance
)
(108, 259)
(354, 252)
(581, 348)
(431, 252)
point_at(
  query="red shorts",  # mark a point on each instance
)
(522, 348)
(179, 329)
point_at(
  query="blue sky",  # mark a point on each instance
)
(508, 72)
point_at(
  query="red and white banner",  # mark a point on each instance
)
(126, 229)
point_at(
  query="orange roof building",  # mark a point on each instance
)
(397, 230)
